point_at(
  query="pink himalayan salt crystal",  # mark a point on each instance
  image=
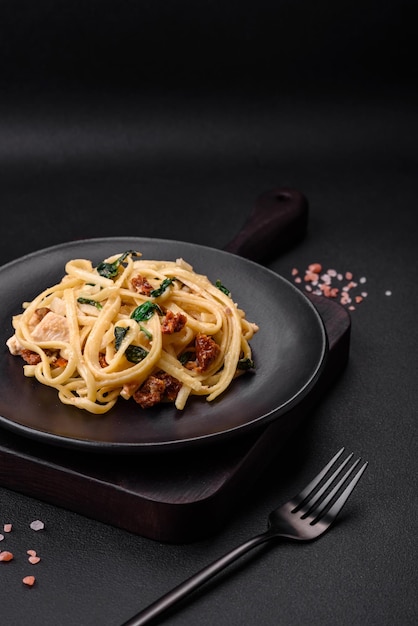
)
(34, 559)
(320, 283)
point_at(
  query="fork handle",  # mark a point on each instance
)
(188, 586)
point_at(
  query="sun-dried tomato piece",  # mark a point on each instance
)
(206, 351)
(173, 322)
(141, 285)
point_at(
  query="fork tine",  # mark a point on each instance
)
(314, 499)
(310, 488)
(332, 513)
(317, 505)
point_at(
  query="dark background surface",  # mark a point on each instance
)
(168, 120)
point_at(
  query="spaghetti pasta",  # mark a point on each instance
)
(149, 330)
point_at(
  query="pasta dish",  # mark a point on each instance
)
(153, 331)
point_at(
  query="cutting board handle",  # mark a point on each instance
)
(278, 220)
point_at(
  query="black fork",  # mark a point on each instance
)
(305, 517)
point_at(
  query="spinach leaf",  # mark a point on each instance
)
(120, 334)
(146, 332)
(186, 356)
(135, 354)
(110, 270)
(221, 287)
(145, 311)
(82, 300)
(155, 293)
(245, 364)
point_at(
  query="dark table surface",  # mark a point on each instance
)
(181, 151)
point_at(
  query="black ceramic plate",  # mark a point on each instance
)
(289, 350)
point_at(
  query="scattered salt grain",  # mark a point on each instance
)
(388, 293)
(331, 284)
(316, 268)
(34, 559)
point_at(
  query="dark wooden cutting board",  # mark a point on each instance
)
(184, 497)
